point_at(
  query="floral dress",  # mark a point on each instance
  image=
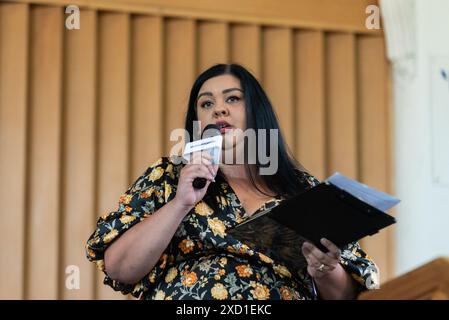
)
(202, 261)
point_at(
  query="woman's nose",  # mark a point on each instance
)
(221, 110)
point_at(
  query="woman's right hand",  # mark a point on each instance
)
(199, 166)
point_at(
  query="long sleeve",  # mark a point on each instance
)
(146, 195)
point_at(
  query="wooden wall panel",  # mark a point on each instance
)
(181, 62)
(147, 87)
(213, 44)
(113, 122)
(374, 135)
(79, 134)
(13, 156)
(44, 159)
(246, 41)
(84, 112)
(277, 75)
(310, 130)
(341, 109)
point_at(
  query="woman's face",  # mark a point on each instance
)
(220, 101)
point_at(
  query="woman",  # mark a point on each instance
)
(168, 240)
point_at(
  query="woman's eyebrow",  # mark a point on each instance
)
(207, 93)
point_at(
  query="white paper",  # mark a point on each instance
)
(212, 144)
(379, 200)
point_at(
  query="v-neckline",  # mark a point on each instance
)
(244, 213)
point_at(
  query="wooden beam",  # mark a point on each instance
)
(341, 15)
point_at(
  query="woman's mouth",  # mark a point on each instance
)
(223, 126)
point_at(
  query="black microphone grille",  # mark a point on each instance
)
(211, 130)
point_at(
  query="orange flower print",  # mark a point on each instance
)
(147, 193)
(125, 198)
(186, 246)
(189, 279)
(244, 270)
(286, 293)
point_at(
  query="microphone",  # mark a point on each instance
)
(211, 130)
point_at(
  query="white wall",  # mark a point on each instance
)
(422, 141)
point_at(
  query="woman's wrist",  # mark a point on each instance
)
(180, 208)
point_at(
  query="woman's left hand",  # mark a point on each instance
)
(320, 264)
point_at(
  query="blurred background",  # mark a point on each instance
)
(360, 87)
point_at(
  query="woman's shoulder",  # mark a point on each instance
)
(162, 171)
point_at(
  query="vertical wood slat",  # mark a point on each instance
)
(246, 47)
(341, 104)
(180, 53)
(78, 183)
(310, 104)
(277, 78)
(146, 92)
(43, 192)
(113, 122)
(13, 128)
(213, 44)
(374, 135)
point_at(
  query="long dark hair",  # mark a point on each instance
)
(287, 180)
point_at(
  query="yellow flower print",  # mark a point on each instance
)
(223, 261)
(264, 258)
(168, 191)
(100, 264)
(219, 291)
(244, 270)
(127, 219)
(260, 291)
(217, 277)
(171, 274)
(217, 227)
(128, 209)
(169, 170)
(110, 236)
(125, 198)
(222, 272)
(186, 246)
(189, 279)
(146, 194)
(282, 271)
(155, 174)
(203, 209)
(160, 295)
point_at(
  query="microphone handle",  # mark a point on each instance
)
(199, 183)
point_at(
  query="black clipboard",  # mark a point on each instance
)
(323, 211)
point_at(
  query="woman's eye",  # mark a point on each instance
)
(233, 99)
(206, 104)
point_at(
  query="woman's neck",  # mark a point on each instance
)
(237, 177)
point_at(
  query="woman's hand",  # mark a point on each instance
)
(320, 264)
(199, 166)
(332, 280)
